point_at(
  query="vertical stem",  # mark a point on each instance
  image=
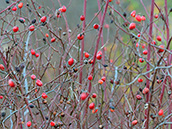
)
(82, 43)
(95, 52)
(148, 59)
(103, 52)
(169, 60)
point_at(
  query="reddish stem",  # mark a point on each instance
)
(82, 43)
(96, 49)
(148, 59)
(10, 6)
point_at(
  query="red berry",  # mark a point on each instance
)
(53, 40)
(143, 45)
(33, 77)
(90, 61)
(91, 106)
(39, 82)
(90, 77)
(15, 28)
(2, 67)
(153, 42)
(145, 52)
(140, 80)
(139, 97)
(117, 2)
(29, 123)
(11, 83)
(141, 60)
(96, 26)
(31, 28)
(94, 95)
(39, 7)
(158, 38)
(52, 123)
(1, 97)
(44, 95)
(32, 52)
(14, 8)
(156, 16)
(80, 36)
(138, 35)
(133, 13)
(110, 0)
(71, 61)
(37, 54)
(20, 5)
(145, 90)
(99, 56)
(100, 82)
(63, 9)
(86, 55)
(106, 26)
(137, 44)
(143, 18)
(82, 18)
(83, 96)
(103, 78)
(100, 52)
(43, 19)
(161, 50)
(138, 18)
(94, 110)
(47, 35)
(132, 26)
(161, 112)
(134, 122)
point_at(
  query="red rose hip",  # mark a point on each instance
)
(161, 112)
(32, 52)
(39, 82)
(86, 55)
(139, 97)
(11, 83)
(2, 67)
(90, 77)
(94, 95)
(95, 26)
(132, 26)
(82, 18)
(83, 96)
(80, 36)
(71, 61)
(43, 19)
(15, 28)
(158, 38)
(44, 95)
(91, 106)
(29, 123)
(133, 13)
(33, 77)
(31, 28)
(161, 50)
(134, 122)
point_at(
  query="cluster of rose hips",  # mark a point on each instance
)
(34, 53)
